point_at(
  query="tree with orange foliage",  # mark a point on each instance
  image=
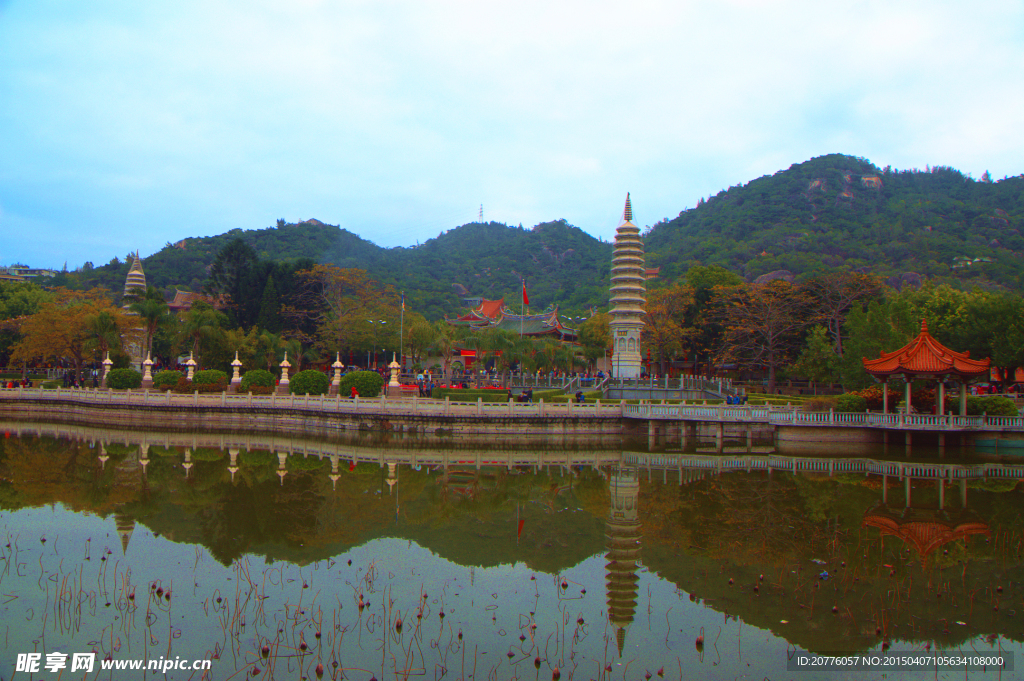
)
(664, 324)
(340, 308)
(66, 328)
(836, 293)
(763, 324)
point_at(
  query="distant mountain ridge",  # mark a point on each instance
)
(841, 211)
(831, 212)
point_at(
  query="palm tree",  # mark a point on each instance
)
(446, 341)
(105, 331)
(202, 323)
(152, 309)
(269, 347)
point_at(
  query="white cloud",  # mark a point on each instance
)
(391, 116)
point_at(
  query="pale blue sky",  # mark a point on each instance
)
(127, 124)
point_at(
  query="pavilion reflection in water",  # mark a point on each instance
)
(925, 529)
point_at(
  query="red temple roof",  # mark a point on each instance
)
(925, 356)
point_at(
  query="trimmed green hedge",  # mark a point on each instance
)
(986, 404)
(309, 382)
(257, 377)
(210, 377)
(166, 380)
(367, 383)
(124, 379)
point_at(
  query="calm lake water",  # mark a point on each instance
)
(269, 560)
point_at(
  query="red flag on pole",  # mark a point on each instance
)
(526, 301)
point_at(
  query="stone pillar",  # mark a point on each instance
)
(942, 397)
(906, 399)
(885, 395)
(720, 437)
(963, 398)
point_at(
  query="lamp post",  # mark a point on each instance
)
(375, 332)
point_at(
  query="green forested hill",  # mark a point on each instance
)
(840, 211)
(830, 212)
(561, 265)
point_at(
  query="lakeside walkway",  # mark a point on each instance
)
(607, 412)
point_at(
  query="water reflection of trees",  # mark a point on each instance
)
(753, 518)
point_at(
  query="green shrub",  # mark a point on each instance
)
(51, 385)
(210, 377)
(166, 380)
(310, 382)
(819, 404)
(258, 378)
(187, 387)
(368, 383)
(986, 404)
(207, 454)
(297, 463)
(123, 379)
(849, 402)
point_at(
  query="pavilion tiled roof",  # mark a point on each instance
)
(925, 356)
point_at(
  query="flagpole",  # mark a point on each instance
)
(522, 310)
(401, 333)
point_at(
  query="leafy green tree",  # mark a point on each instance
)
(818, 361)
(595, 337)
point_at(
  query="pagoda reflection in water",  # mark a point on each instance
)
(622, 539)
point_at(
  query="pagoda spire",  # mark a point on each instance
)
(627, 213)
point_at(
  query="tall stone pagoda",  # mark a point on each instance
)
(136, 279)
(134, 285)
(628, 297)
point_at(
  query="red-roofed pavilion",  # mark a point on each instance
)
(926, 358)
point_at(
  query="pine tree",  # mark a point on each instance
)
(269, 317)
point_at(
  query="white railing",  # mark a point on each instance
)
(320, 403)
(899, 470)
(754, 414)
